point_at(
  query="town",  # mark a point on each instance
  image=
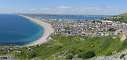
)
(86, 27)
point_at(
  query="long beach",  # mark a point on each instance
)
(48, 30)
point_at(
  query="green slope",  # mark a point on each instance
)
(121, 18)
(124, 14)
(67, 47)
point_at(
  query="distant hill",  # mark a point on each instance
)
(124, 14)
(121, 18)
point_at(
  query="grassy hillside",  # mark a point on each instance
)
(121, 18)
(125, 14)
(68, 47)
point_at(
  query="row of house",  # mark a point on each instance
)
(95, 28)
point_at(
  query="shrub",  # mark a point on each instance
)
(86, 55)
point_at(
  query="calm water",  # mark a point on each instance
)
(16, 30)
(74, 17)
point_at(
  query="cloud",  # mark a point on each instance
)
(86, 10)
(63, 7)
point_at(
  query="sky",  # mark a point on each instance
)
(86, 7)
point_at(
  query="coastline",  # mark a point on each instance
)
(48, 30)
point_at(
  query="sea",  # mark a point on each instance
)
(17, 30)
(72, 17)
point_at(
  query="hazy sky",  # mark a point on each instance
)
(91, 7)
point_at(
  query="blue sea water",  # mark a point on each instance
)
(74, 17)
(17, 30)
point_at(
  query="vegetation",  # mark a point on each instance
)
(121, 18)
(87, 55)
(68, 47)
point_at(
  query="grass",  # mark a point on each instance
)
(67, 47)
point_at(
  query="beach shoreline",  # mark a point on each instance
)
(48, 30)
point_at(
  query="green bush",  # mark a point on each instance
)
(86, 55)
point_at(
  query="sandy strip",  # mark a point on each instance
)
(48, 30)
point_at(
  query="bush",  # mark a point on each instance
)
(86, 55)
